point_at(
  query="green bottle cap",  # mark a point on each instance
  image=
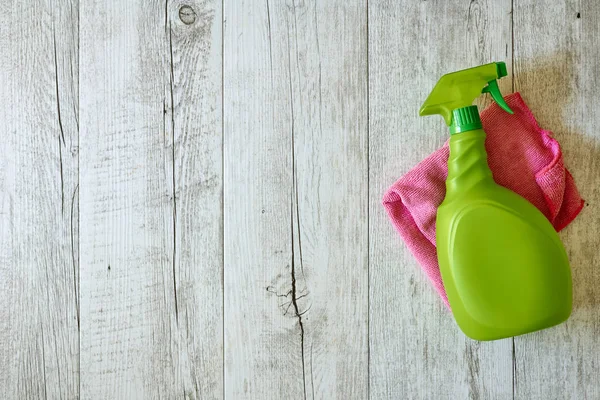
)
(465, 119)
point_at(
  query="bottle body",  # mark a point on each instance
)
(503, 265)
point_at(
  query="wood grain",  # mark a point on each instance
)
(263, 353)
(417, 351)
(128, 304)
(221, 234)
(295, 200)
(150, 201)
(38, 195)
(195, 39)
(556, 71)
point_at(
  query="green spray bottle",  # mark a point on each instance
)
(503, 265)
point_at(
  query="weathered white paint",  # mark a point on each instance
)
(220, 234)
(295, 200)
(150, 200)
(556, 70)
(39, 339)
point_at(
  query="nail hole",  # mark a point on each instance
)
(578, 15)
(187, 15)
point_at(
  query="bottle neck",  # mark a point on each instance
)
(467, 164)
(465, 119)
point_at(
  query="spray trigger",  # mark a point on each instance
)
(493, 89)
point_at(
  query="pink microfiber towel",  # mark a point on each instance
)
(522, 156)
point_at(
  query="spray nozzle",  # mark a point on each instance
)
(454, 93)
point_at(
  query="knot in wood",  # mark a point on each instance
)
(187, 15)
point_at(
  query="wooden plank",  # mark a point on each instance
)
(39, 342)
(295, 200)
(556, 71)
(329, 101)
(150, 187)
(262, 344)
(126, 206)
(196, 57)
(416, 349)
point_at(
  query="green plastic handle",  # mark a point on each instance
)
(459, 89)
(493, 89)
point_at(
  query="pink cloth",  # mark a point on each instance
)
(522, 156)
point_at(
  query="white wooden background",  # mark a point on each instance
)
(190, 197)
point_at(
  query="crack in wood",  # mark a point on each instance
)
(75, 265)
(270, 45)
(60, 125)
(171, 80)
(514, 369)
(298, 315)
(312, 383)
(473, 366)
(62, 132)
(62, 179)
(294, 198)
(320, 74)
(44, 363)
